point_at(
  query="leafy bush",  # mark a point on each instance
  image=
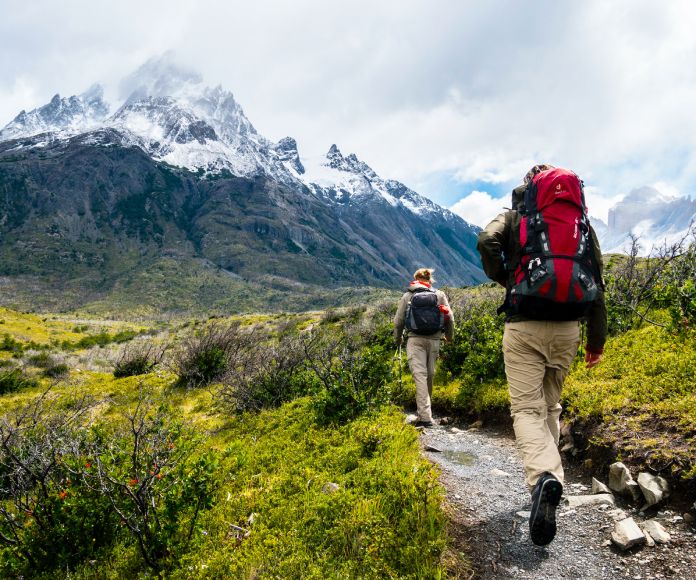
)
(206, 357)
(65, 484)
(138, 358)
(475, 356)
(14, 379)
(9, 344)
(146, 470)
(48, 517)
(56, 371)
(267, 374)
(355, 377)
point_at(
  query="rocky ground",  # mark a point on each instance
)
(489, 503)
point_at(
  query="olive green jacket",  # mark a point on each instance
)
(499, 246)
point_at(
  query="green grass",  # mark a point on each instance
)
(272, 514)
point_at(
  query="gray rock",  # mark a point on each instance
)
(582, 500)
(654, 488)
(617, 515)
(619, 477)
(657, 531)
(599, 487)
(523, 514)
(499, 473)
(432, 449)
(648, 540)
(627, 534)
(330, 487)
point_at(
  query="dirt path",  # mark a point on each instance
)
(482, 474)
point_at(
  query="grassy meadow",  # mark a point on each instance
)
(274, 445)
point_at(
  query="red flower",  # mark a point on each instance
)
(63, 494)
(88, 464)
(133, 482)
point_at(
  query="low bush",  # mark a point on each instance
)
(71, 488)
(207, 356)
(14, 379)
(56, 371)
(138, 358)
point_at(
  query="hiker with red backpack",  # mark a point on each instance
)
(424, 318)
(546, 255)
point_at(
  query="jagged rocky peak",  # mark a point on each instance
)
(72, 114)
(351, 164)
(163, 119)
(286, 149)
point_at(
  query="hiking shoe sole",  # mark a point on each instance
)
(542, 520)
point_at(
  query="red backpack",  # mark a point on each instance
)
(557, 277)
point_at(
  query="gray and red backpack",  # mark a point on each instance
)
(557, 276)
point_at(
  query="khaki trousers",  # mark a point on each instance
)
(422, 353)
(537, 357)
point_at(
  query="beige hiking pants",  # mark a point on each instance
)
(422, 353)
(537, 358)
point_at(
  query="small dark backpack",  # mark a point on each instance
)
(423, 315)
(557, 277)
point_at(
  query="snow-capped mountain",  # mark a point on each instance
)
(67, 116)
(174, 117)
(93, 199)
(656, 219)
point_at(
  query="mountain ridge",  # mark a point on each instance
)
(187, 176)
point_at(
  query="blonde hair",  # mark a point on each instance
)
(424, 274)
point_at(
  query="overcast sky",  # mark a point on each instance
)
(455, 98)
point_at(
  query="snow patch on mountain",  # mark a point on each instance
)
(67, 115)
(169, 113)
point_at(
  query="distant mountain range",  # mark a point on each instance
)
(175, 200)
(656, 220)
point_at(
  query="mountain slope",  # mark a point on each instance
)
(89, 202)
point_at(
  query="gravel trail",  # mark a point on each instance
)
(482, 473)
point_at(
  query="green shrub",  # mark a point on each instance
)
(56, 371)
(475, 355)
(41, 360)
(206, 357)
(355, 379)
(138, 358)
(14, 379)
(9, 344)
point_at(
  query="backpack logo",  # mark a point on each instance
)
(557, 277)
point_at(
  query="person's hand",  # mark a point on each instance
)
(592, 358)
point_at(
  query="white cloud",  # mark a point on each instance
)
(479, 207)
(474, 89)
(598, 206)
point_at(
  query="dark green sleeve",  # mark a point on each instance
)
(492, 242)
(597, 315)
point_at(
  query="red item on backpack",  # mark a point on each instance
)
(557, 276)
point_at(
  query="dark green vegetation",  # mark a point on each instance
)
(266, 446)
(105, 229)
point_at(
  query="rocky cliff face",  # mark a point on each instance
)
(87, 200)
(645, 212)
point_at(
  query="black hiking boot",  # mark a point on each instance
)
(546, 496)
(420, 423)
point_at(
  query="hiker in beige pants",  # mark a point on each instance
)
(541, 335)
(422, 352)
(537, 356)
(422, 349)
